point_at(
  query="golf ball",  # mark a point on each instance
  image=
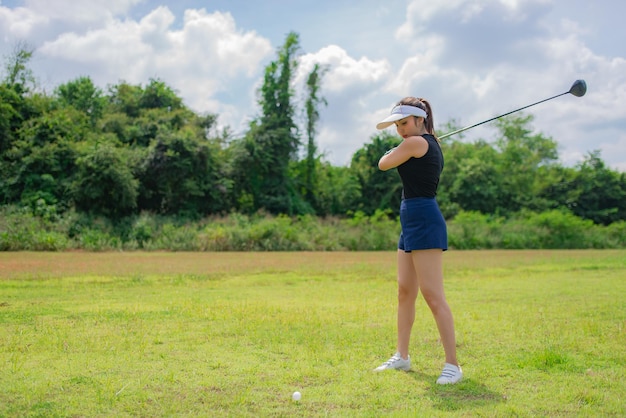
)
(296, 396)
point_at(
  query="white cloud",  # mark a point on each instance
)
(80, 11)
(19, 22)
(200, 60)
(345, 72)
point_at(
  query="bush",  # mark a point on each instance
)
(616, 234)
(20, 229)
(561, 229)
(378, 232)
(97, 240)
(474, 230)
(555, 229)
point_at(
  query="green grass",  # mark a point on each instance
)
(540, 333)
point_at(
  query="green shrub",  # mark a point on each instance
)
(616, 233)
(562, 229)
(370, 233)
(20, 229)
(555, 229)
(174, 238)
(92, 239)
(473, 230)
(516, 233)
(142, 230)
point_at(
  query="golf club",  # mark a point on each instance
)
(578, 89)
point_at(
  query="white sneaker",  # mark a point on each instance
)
(395, 362)
(451, 374)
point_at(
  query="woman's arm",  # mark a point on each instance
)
(413, 146)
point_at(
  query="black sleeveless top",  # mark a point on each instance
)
(420, 176)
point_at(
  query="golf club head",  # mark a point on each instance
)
(579, 88)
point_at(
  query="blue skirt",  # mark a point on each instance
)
(423, 226)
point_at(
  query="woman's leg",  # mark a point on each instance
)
(428, 266)
(407, 294)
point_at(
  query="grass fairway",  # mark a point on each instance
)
(540, 333)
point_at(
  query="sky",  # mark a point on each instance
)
(472, 59)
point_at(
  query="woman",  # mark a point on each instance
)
(423, 239)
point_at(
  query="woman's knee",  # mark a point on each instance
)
(436, 301)
(407, 293)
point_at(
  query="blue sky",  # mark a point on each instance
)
(473, 59)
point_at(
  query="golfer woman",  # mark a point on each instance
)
(423, 239)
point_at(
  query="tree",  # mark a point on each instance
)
(18, 80)
(45, 174)
(125, 98)
(337, 189)
(271, 144)
(477, 184)
(312, 103)
(522, 155)
(41, 157)
(468, 180)
(378, 189)
(501, 177)
(84, 96)
(104, 182)
(10, 118)
(55, 124)
(137, 115)
(183, 176)
(555, 187)
(600, 191)
(18, 76)
(158, 95)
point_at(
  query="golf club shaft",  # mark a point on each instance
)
(497, 117)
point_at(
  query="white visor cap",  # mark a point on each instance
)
(401, 112)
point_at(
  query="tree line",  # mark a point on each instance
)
(132, 149)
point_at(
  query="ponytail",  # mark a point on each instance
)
(429, 122)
